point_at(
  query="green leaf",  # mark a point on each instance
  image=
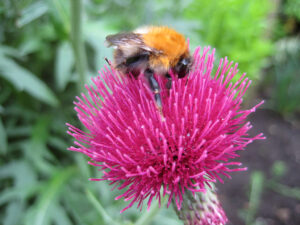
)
(148, 216)
(3, 139)
(21, 172)
(257, 186)
(32, 12)
(61, 12)
(77, 204)
(24, 181)
(99, 208)
(40, 212)
(42, 156)
(24, 80)
(7, 50)
(291, 192)
(18, 131)
(14, 213)
(63, 65)
(20, 193)
(85, 170)
(61, 216)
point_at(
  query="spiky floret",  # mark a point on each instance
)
(203, 130)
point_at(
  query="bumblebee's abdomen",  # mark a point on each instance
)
(131, 65)
(169, 42)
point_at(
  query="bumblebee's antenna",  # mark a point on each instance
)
(108, 62)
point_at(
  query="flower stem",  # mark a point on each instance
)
(201, 208)
(107, 219)
(148, 216)
(77, 42)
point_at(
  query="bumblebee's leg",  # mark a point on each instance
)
(187, 79)
(154, 86)
(169, 81)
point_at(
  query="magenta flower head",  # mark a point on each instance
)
(193, 145)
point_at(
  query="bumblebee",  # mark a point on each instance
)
(154, 50)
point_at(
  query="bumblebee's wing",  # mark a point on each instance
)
(130, 42)
(124, 39)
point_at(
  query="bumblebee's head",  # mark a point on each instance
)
(183, 66)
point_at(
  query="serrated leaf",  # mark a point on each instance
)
(32, 12)
(63, 65)
(24, 80)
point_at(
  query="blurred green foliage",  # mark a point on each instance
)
(237, 29)
(40, 182)
(282, 80)
(292, 8)
(283, 77)
(279, 169)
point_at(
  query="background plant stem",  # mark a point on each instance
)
(107, 219)
(77, 42)
(257, 181)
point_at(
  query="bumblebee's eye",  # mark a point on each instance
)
(182, 67)
(185, 62)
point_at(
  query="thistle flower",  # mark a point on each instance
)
(139, 152)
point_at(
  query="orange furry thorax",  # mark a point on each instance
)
(169, 42)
